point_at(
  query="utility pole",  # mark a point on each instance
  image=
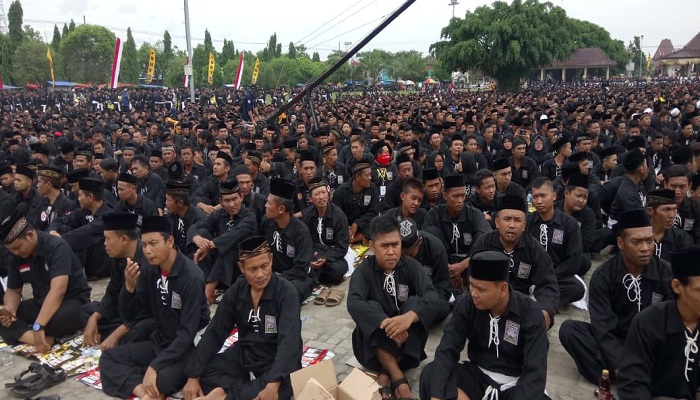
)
(641, 56)
(454, 4)
(3, 20)
(188, 71)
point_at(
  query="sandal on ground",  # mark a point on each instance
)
(335, 297)
(42, 378)
(385, 391)
(47, 397)
(322, 297)
(394, 388)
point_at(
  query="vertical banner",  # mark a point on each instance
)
(116, 65)
(151, 67)
(648, 61)
(186, 78)
(212, 65)
(1, 87)
(48, 55)
(256, 71)
(239, 73)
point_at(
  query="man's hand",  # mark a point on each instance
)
(206, 208)
(201, 242)
(456, 269)
(40, 343)
(271, 392)
(131, 273)
(199, 255)
(209, 291)
(149, 383)
(400, 339)
(7, 317)
(398, 324)
(91, 335)
(547, 319)
(54, 233)
(318, 263)
(192, 389)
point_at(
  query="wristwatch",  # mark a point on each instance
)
(38, 327)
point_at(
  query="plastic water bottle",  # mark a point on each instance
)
(604, 386)
(530, 207)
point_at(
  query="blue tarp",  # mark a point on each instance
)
(8, 87)
(61, 83)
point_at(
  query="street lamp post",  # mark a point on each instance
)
(454, 4)
(189, 50)
(641, 56)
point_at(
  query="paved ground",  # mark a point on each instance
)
(331, 328)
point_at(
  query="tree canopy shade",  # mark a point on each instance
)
(87, 53)
(506, 41)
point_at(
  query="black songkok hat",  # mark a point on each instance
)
(607, 153)
(635, 142)
(512, 202)
(637, 218)
(282, 188)
(402, 158)
(316, 183)
(229, 187)
(307, 156)
(682, 155)
(560, 143)
(92, 185)
(409, 233)
(684, 262)
(49, 171)
(359, 165)
(254, 157)
(501, 163)
(77, 174)
(128, 178)
(661, 197)
(121, 221)
(489, 265)
(177, 189)
(453, 181)
(26, 171)
(430, 174)
(13, 225)
(225, 156)
(633, 159)
(578, 179)
(153, 223)
(252, 246)
(579, 156)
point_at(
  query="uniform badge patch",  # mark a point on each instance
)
(558, 236)
(24, 268)
(176, 301)
(367, 199)
(405, 228)
(524, 174)
(656, 298)
(291, 251)
(467, 238)
(329, 233)
(512, 332)
(524, 270)
(270, 324)
(688, 224)
(402, 293)
(340, 179)
(44, 216)
(300, 196)
(389, 175)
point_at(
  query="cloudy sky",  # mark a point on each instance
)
(327, 25)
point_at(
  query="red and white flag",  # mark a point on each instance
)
(1, 87)
(186, 78)
(239, 74)
(116, 64)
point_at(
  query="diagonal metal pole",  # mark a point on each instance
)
(310, 87)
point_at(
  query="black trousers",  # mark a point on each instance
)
(122, 369)
(465, 376)
(409, 355)
(333, 272)
(585, 264)
(570, 290)
(578, 340)
(138, 332)
(65, 322)
(226, 371)
(304, 288)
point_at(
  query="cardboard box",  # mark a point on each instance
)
(318, 382)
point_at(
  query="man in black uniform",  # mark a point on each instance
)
(428, 250)
(393, 304)
(307, 170)
(574, 205)
(631, 194)
(329, 232)
(271, 351)
(677, 178)
(661, 350)
(503, 173)
(289, 238)
(104, 322)
(496, 320)
(484, 197)
(261, 184)
(53, 202)
(169, 289)
(457, 225)
(404, 167)
(58, 284)
(410, 205)
(432, 182)
(251, 200)
(619, 289)
(662, 209)
(524, 169)
(560, 235)
(130, 200)
(150, 185)
(84, 230)
(25, 192)
(222, 231)
(531, 270)
(207, 194)
(359, 200)
(181, 212)
(331, 170)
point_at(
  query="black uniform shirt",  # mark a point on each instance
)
(181, 226)
(291, 248)
(561, 238)
(614, 300)
(177, 304)
(109, 305)
(53, 257)
(521, 350)
(459, 234)
(433, 256)
(330, 230)
(672, 240)
(153, 188)
(359, 208)
(586, 221)
(688, 218)
(63, 206)
(143, 207)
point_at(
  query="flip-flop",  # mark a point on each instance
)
(395, 385)
(385, 392)
(44, 377)
(335, 297)
(47, 397)
(322, 297)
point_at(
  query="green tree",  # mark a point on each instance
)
(168, 55)
(228, 52)
(56, 41)
(634, 49)
(143, 55)
(208, 45)
(440, 72)
(30, 33)
(130, 68)
(71, 26)
(272, 50)
(31, 64)
(343, 73)
(316, 57)
(14, 24)
(371, 62)
(506, 41)
(64, 32)
(175, 71)
(292, 53)
(5, 59)
(408, 65)
(88, 51)
(588, 34)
